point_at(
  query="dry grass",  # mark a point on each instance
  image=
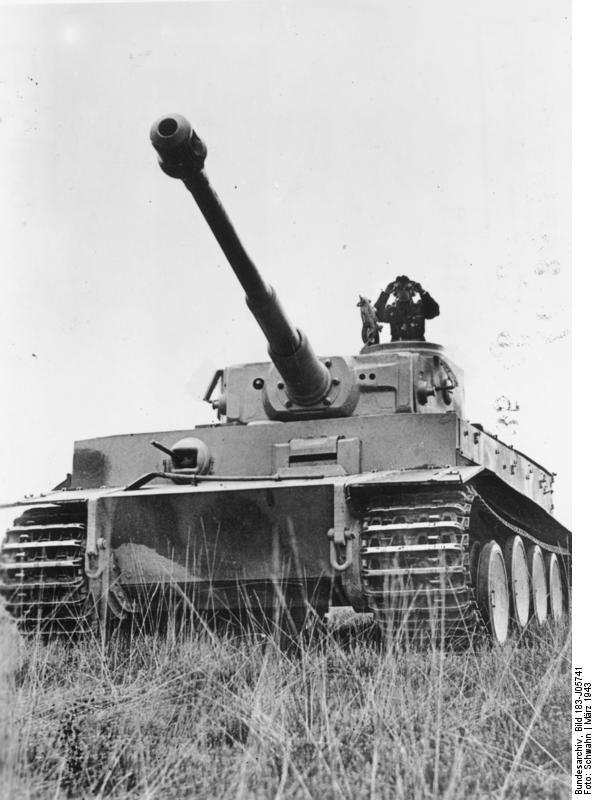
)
(242, 716)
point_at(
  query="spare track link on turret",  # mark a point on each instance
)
(42, 571)
(415, 560)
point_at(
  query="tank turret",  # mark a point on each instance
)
(304, 385)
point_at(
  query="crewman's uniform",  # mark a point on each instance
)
(407, 318)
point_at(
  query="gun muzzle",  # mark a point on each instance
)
(181, 152)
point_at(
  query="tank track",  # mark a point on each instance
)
(419, 557)
(42, 575)
(415, 560)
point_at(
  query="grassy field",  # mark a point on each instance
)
(337, 715)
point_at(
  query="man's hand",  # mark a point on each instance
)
(417, 287)
(390, 287)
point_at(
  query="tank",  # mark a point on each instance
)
(327, 480)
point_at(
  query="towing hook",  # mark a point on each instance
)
(343, 539)
(348, 556)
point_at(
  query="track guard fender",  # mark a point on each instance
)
(376, 482)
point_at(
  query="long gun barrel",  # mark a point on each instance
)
(182, 155)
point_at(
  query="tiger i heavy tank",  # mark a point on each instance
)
(350, 480)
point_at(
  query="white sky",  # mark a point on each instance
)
(350, 142)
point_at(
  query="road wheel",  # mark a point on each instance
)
(538, 583)
(555, 587)
(492, 591)
(518, 575)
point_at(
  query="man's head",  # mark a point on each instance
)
(403, 289)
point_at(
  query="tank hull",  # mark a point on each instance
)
(400, 543)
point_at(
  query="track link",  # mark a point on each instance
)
(42, 575)
(415, 560)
